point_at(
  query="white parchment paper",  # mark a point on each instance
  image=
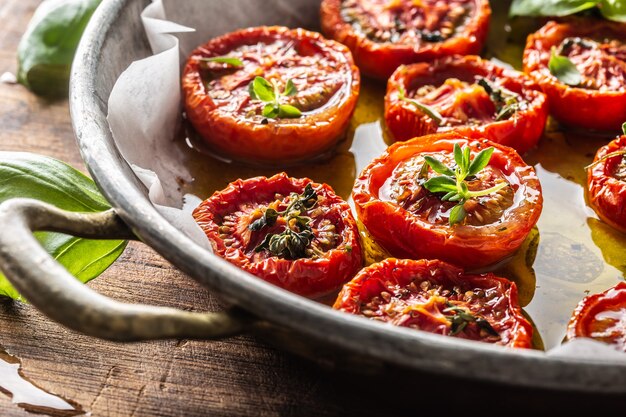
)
(144, 107)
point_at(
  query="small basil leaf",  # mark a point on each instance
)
(289, 112)
(47, 48)
(263, 89)
(54, 182)
(550, 7)
(441, 184)
(268, 219)
(270, 110)
(438, 166)
(253, 95)
(234, 62)
(457, 214)
(614, 10)
(480, 161)
(290, 89)
(564, 69)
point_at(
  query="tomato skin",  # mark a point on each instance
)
(380, 60)
(521, 132)
(305, 276)
(405, 235)
(586, 323)
(574, 106)
(606, 193)
(397, 275)
(273, 140)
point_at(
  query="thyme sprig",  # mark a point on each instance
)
(452, 181)
(293, 241)
(428, 111)
(462, 317)
(267, 92)
(610, 155)
(506, 103)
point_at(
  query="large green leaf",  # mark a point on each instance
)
(52, 181)
(47, 48)
(614, 10)
(611, 9)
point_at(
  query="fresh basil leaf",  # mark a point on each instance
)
(234, 62)
(263, 89)
(290, 89)
(550, 7)
(289, 112)
(614, 10)
(47, 48)
(458, 156)
(46, 179)
(480, 161)
(270, 110)
(253, 95)
(442, 184)
(564, 69)
(457, 214)
(438, 166)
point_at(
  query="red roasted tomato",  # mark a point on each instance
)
(602, 317)
(314, 76)
(290, 232)
(598, 51)
(502, 105)
(411, 221)
(606, 183)
(439, 298)
(384, 34)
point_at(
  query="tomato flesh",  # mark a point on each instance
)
(602, 317)
(606, 183)
(439, 298)
(385, 34)
(597, 50)
(410, 222)
(468, 93)
(323, 263)
(219, 105)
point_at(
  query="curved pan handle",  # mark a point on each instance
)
(55, 292)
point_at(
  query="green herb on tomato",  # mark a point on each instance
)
(564, 69)
(267, 92)
(462, 317)
(429, 111)
(610, 9)
(452, 182)
(506, 102)
(233, 62)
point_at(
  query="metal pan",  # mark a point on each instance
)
(113, 39)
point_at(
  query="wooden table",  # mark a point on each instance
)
(239, 376)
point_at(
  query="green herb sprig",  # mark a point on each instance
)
(506, 103)
(289, 243)
(610, 9)
(452, 182)
(263, 90)
(232, 61)
(462, 317)
(429, 111)
(564, 69)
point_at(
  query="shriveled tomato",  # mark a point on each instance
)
(602, 317)
(466, 93)
(293, 233)
(384, 34)
(410, 221)
(606, 183)
(437, 297)
(598, 51)
(314, 75)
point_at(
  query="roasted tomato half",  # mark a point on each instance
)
(420, 200)
(598, 52)
(439, 298)
(606, 183)
(454, 93)
(311, 89)
(290, 232)
(384, 34)
(602, 317)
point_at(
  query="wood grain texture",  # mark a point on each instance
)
(239, 376)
